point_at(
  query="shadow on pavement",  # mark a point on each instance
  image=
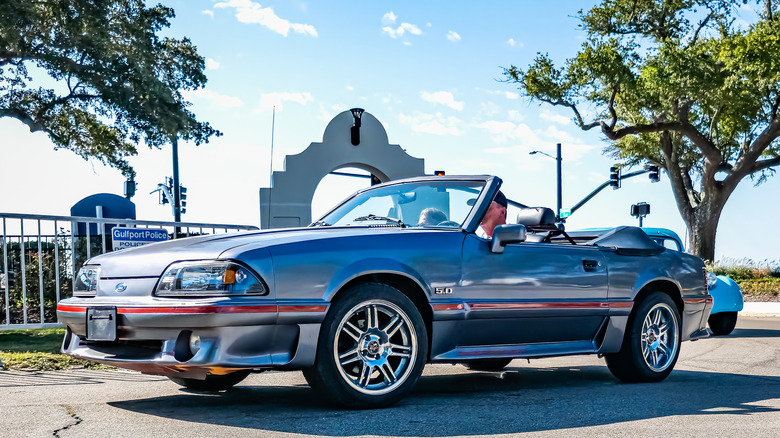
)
(754, 333)
(75, 377)
(522, 399)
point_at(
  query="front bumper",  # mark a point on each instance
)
(153, 335)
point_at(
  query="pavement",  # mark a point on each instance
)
(722, 386)
(761, 308)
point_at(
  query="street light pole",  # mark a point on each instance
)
(560, 185)
(559, 162)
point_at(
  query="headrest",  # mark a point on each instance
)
(532, 216)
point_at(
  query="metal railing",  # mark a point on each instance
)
(40, 255)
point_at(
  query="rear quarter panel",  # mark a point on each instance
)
(629, 275)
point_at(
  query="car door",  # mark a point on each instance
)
(531, 293)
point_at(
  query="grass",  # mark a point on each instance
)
(37, 350)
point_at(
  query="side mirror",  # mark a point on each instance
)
(503, 235)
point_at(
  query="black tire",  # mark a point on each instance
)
(371, 350)
(212, 382)
(651, 344)
(722, 324)
(491, 365)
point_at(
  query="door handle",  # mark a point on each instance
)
(591, 265)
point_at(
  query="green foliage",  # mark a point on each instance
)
(745, 268)
(767, 288)
(37, 266)
(116, 81)
(676, 83)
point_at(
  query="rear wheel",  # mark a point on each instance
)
(212, 382)
(722, 324)
(651, 344)
(493, 365)
(371, 350)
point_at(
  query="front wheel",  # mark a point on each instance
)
(371, 350)
(722, 324)
(212, 382)
(651, 344)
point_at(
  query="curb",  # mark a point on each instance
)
(762, 308)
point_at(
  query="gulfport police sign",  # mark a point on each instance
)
(131, 237)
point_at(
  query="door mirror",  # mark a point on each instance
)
(503, 235)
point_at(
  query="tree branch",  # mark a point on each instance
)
(24, 118)
(580, 121)
(672, 166)
(765, 164)
(612, 111)
(639, 129)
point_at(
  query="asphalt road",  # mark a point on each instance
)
(727, 386)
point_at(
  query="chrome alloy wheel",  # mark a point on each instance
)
(375, 347)
(659, 337)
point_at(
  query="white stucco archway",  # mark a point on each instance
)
(287, 203)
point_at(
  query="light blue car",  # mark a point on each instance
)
(725, 292)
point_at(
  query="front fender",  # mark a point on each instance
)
(376, 265)
(726, 295)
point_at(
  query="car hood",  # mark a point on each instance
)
(151, 260)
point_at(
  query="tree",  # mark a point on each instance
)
(112, 81)
(677, 83)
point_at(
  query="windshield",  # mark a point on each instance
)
(425, 204)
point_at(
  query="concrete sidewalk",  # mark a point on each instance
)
(761, 308)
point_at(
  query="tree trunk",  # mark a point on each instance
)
(702, 229)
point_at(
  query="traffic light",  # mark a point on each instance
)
(183, 198)
(654, 175)
(130, 186)
(614, 177)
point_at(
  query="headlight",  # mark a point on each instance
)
(209, 278)
(711, 280)
(85, 284)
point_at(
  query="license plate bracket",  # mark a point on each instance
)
(101, 323)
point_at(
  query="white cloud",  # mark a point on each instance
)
(508, 94)
(503, 131)
(515, 115)
(350, 88)
(444, 98)
(401, 30)
(389, 18)
(453, 36)
(250, 12)
(435, 124)
(208, 12)
(277, 99)
(512, 43)
(221, 100)
(407, 43)
(553, 117)
(211, 64)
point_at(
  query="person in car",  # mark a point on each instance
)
(494, 216)
(430, 217)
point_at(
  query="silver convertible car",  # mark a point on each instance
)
(391, 279)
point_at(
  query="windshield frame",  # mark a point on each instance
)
(470, 224)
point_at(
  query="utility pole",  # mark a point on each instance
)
(560, 185)
(176, 194)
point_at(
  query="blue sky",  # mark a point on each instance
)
(429, 71)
